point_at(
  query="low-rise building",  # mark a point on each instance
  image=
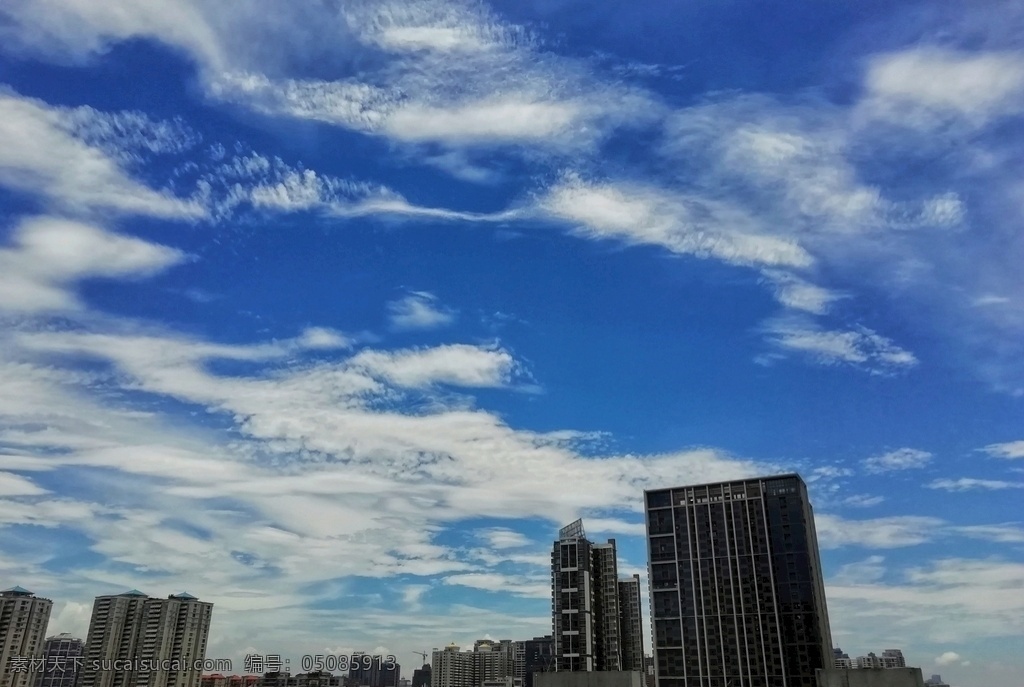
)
(591, 678)
(219, 680)
(870, 677)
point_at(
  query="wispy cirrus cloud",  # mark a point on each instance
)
(41, 155)
(257, 182)
(877, 533)
(945, 601)
(860, 347)
(638, 214)
(973, 484)
(1009, 450)
(900, 459)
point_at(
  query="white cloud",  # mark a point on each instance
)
(638, 214)
(495, 120)
(859, 347)
(16, 485)
(948, 658)
(797, 294)
(349, 104)
(418, 310)
(911, 84)
(442, 27)
(496, 582)
(900, 459)
(867, 571)
(1009, 450)
(322, 338)
(504, 538)
(121, 134)
(271, 185)
(50, 254)
(829, 472)
(78, 29)
(40, 155)
(606, 526)
(878, 533)
(944, 601)
(972, 484)
(1006, 533)
(810, 169)
(863, 500)
(457, 364)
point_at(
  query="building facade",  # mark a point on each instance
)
(373, 672)
(138, 641)
(23, 621)
(490, 662)
(585, 603)
(737, 597)
(62, 660)
(870, 677)
(631, 628)
(538, 657)
(421, 676)
(451, 667)
(219, 680)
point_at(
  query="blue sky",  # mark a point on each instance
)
(332, 313)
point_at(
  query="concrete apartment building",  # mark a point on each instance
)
(135, 626)
(890, 658)
(737, 596)
(490, 664)
(23, 621)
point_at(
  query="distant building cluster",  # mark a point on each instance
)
(890, 658)
(133, 640)
(737, 599)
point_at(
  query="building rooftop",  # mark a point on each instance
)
(574, 530)
(19, 591)
(763, 478)
(133, 592)
(185, 596)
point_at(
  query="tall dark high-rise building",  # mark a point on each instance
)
(585, 602)
(737, 597)
(631, 629)
(421, 676)
(62, 658)
(373, 671)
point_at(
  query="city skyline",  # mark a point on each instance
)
(588, 568)
(331, 313)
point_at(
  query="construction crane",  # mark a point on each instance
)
(423, 654)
